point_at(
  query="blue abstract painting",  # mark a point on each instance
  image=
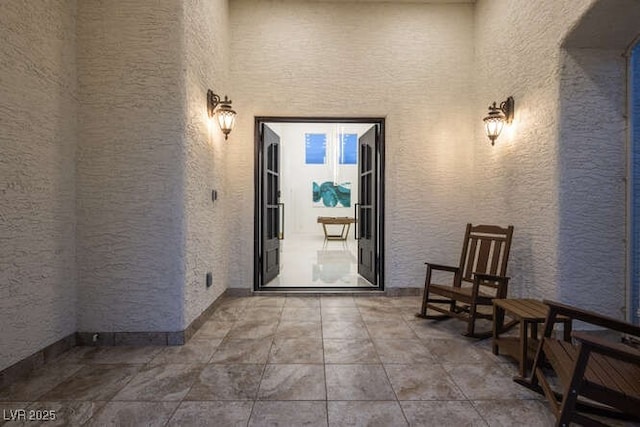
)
(331, 195)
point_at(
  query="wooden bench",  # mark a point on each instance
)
(604, 371)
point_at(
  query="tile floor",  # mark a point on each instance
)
(312, 261)
(289, 361)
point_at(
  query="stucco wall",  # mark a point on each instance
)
(206, 63)
(130, 169)
(635, 177)
(557, 172)
(37, 176)
(592, 154)
(410, 63)
(516, 181)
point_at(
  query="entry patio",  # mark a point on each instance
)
(262, 360)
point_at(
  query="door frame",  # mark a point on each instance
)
(257, 220)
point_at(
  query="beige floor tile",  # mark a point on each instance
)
(457, 351)
(422, 382)
(530, 413)
(291, 413)
(265, 301)
(403, 351)
(371, 414)
(194, 351)
(39, 382)
(359, 351)
(443, 414)
(339, 314)
(299, 329)
(293, 382)
(242, 351)
(302, 302)
(358, 382)
(437, 329)
(264, 313)
(300, 314)
(252, 329)
(344, 329)
(212, 414)
(296, 350)
(390, 329)
(487, 381)
(93, 383)
(148, 414)
(227, 382)
(167, 382)
(337, 301)
(213, 329)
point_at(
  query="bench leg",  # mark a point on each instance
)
(524, 347)
(571, 392)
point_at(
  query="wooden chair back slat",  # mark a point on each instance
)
(485, 250)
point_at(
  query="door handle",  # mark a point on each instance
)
(356, 208)
(281, 221)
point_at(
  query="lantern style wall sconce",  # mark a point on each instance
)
(498, 116)
(225, 115)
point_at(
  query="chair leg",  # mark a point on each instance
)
(471, 322)
(425, 296)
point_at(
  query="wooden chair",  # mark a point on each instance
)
(479, 278)
(605, 371)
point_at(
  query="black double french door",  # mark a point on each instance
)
(270, 195)
(368, 210)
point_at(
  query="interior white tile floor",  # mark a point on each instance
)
(308, 260)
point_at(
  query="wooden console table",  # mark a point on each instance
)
(344, 221)
(528, 313)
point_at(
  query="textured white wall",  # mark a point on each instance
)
(516, 181)
(592, 153)
(130, 168)
(634, 152)
(556, 173)
(207, 235)
(410, 63)
(37, 176)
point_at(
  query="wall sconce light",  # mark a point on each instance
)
(497, 117)
(225, 115)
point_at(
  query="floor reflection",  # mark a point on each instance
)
(310, 260)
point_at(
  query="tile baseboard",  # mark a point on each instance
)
(29, 364)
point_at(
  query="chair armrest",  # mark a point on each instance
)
(592, 318)
(608, 348)
(442, 267)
